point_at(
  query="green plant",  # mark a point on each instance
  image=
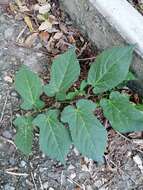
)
(74, 122)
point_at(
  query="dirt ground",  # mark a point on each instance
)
(122, 167)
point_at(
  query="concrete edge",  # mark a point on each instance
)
(109, 23)
(124, 18)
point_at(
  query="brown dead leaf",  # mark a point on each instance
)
(44, 8)
(13, 8)
(63, 28)
(45, 26)
(22, 6)
(41, 17)
(29, 23)
(61, 45)
(44, 36)
(71, 39)
(52, 19)
(58, 35)
(30, 40)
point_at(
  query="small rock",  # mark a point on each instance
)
(85, 168)
(71, 167)
(73, 175)
(8, 79)
(46, 185)
(76, 152)
(12, 161)
(7, 134)
(89, 187)
(23, 163)
(51, 188)
(14, 94)
(8, 187)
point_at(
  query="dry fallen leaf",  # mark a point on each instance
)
(44, 36)
(71, 39)
(22, 6)
(58, 35)
(29, 23)
(41, 17)
(30, 40)
(42, 1)
(45, 26)
(44, 8)
(63, 28)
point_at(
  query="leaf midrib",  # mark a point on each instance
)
(120, 112)
(100, 78)
(49, 121)
(84, 124)
(30, 90)
(60, 85)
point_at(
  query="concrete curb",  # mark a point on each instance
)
(109, 23)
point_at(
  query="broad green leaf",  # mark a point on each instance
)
(130, 76)
(83, 85)
(72, 95)
(54, 137)
(110, 68)
(139, 107)
(122, 115)
(64, 72)
(88, 134)
(29, 86)
(24, 135)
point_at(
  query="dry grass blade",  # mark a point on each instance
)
(4, 106)
(16, 174)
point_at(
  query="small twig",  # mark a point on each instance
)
(17, 174)
(72, 181)
(82, 49)
(41, 183)
(7, 140)
(21, 33)
(3, 109)
(34, 181)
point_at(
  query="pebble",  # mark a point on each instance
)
(7, 134)
(8, 187)
(73, 175)
(8, 79)
(23, 163)
(51, 188)
(89, 187)
(46, 185)
(71, 167)
(14, 94)
(12, 161)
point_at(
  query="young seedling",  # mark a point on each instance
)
(75, 122)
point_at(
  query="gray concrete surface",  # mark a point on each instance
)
(97, 28)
